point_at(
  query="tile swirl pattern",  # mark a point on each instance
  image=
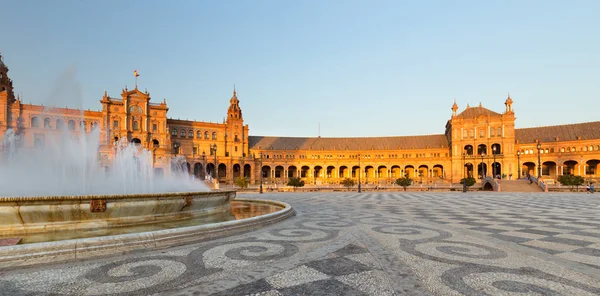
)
(364, 244)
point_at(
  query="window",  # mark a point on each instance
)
(492, 132)
(136, 125)
(464, 134)
(47, 123)
(562, 149)
(175, 148)
(591, 148)
(72, 125)
(481, 133)
(214, 135)
(471, 134)
(115, 124)
(154, 127)
(551, 150)
(235, 148)
(195, 150)
(35, 122)
(499, 132)
(198, 135)
(38, 141)
(60, 124)
(584, 148)
(206, 135)
(174, 132)
(191, 134)
(182, 133)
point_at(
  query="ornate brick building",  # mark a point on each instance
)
(477, 142)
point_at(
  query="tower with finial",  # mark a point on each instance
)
(454, 108)
(6, 86)
(234, 111)
(236, 135)
(508, 103)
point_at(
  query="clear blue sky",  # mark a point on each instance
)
(360, 68)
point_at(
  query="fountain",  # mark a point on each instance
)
(61, 203)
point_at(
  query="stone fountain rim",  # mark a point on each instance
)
(111, 196)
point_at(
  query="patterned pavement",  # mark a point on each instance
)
(395, 243)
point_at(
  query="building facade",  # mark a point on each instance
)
(477, 142)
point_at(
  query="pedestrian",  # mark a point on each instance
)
(592, 188)
(587, 187)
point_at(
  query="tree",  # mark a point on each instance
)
(348, 183)
(571, 180)
(404, 182)
(469, 181)
(295, 182)
(241, 182)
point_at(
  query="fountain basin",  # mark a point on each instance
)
(36, 214)
(110, 245)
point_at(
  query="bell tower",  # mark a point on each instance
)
(7, 97)
(236, 135)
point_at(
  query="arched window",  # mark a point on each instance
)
(174, 132)
(214, 135)
(60, 124)
(182, 133)
(206, 135)
(546, 151)
(155, 143)
(190, 134)
(573, 149)
(136, 125)
(591, 148)
(584, 148)
(568, 149)
(551, 150)
(72, 125)
(35, 122)
(562, 149)
(198, 135)
(46, 122)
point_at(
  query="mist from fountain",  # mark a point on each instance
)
(68, 164)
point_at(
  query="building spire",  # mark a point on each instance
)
(454, 108)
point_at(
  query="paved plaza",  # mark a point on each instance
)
(370, 243)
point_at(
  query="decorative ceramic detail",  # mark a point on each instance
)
(98, 205)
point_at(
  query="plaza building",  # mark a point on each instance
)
(476, 142)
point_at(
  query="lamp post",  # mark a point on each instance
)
(261, 174)
(539, 147)
(213, 149)
(359, 173)
(204, 164)
(482, 169)
(463, 169)
(494, 163)
(519, 164)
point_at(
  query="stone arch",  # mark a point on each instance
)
(382, 171)
(528, 168)
(355, 171)
(409, 171)
(482, 149)
(570, 167)
(155, 143)
(496, 148)
(330, 172)
(469, 170)
(137, 141)
(549, 169)
(279, 172)
(496, 170)
(482, 170)
(210, 170)
(487, 186)
(437, 171)
(396, 172)
(47, 122)
(468, 149)
(265, 171)
(369, 173)
(304, 171)
(292, 172)
(198, 170)
(35, 122)
(247, 171)
(317, 171)
(591, 167)
(198, 135)
(222, 171)
(237, 171)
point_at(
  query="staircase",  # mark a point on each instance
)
(519, 186)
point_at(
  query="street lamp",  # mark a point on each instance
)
(539, 147)
(463, 169)
(494, 164)
(204, 164)
(519, 164)
(482, 168)
(261, 174)
(213, 149)
(359, 173)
